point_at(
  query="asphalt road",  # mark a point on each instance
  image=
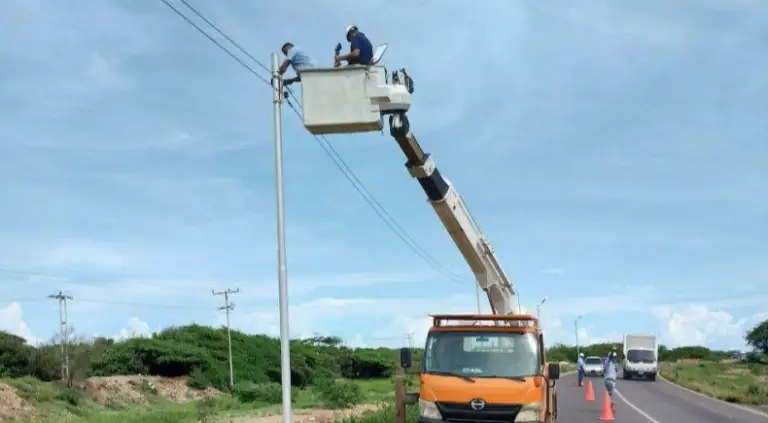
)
(639, 401)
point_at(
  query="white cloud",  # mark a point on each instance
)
(137, 328)
(697, 324)
(12, 321)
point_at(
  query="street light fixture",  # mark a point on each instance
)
(538, 307)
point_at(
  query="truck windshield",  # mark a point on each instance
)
(640, 356)
(482, 354)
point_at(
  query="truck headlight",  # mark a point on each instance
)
(428, 410)
(529, 413)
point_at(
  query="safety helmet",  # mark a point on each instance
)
(350, 29)
(581, 354)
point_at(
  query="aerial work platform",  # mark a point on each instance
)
(354, 98)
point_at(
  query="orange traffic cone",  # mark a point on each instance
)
(606, 413)
(590, 392)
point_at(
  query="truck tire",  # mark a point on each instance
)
(652, 377)
(627, 375)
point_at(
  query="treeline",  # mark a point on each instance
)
(201, 353)
(568, 352)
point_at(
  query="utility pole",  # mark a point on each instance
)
(228, 307)
(282, 268)
(409, 336)
(576, 330)
(538, 308)
(63, 334)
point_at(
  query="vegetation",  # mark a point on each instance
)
(325, 374)
(745, 383)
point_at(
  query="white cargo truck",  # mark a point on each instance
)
(641, 355)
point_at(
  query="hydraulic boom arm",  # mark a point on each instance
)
(452, 211)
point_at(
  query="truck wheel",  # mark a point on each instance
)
(652, 378)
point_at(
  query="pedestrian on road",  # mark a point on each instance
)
(297, 59)
(609, 372)
(580, 364)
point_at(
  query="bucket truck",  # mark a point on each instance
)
(481, 368)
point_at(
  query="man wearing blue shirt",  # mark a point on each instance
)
(580, 364)
(360, 49)
(609, 374)
(296, 58)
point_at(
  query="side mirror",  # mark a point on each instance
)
(405, 357)
(553, 371)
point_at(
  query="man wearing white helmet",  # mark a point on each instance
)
(360, 49)
(580, 368)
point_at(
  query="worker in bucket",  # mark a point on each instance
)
(580, 368)
(296, 58)
(360, 49)
(609, 374)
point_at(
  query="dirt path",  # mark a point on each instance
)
(309, 415)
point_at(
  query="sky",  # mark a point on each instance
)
(614, 154)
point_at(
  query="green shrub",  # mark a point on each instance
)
(197, 379)
(340, 393)
(70, 396)
(265, 393)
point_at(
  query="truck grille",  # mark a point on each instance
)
(460, 412)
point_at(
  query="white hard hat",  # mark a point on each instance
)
(581, 354)
(349, 28)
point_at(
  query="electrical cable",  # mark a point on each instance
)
(328, 148)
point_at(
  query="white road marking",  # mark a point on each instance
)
(636, 408)
(738, 406)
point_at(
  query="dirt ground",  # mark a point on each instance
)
(309, 415)
(134, 389)
(12, 406)
(122, 390)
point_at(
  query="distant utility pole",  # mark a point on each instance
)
(228, 307)
(63, 334)
(410, 339)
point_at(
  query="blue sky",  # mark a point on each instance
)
(614, 154)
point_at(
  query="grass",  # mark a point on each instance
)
(733, 382)
(385, 415)
(55, 404)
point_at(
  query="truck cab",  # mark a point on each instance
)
(486, 368)
(640, 357)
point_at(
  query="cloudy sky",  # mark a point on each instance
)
(615, 155)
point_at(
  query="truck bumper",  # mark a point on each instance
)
(425, 420)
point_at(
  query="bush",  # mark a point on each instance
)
(266, 393)
(197, 379)
(70, 396)
(340, 393)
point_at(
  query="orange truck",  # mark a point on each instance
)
(486, 369)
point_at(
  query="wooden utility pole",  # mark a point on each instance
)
(63, 334)
(229, 307)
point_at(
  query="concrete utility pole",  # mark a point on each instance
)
(282, 268)
(228, 307)
(576, 330)
(409, 336)
(63, 334)
(538, 308)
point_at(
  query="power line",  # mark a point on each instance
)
(237, 59)
(329, 150)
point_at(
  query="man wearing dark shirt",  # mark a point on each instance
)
(360, 49)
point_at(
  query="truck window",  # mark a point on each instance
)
(593, 361)
(640, 356)
(483, 354)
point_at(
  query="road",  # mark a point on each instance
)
(648, 402)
